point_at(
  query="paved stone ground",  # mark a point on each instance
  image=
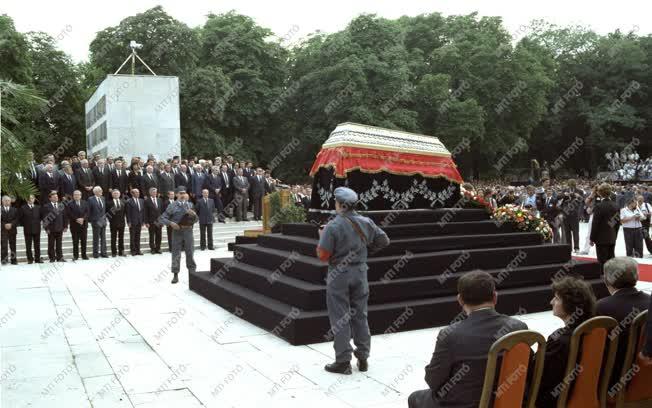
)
(115, 333)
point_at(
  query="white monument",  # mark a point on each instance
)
(134, 115)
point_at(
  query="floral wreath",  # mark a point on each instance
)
(523, 219)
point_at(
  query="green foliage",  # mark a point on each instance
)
(287, 214)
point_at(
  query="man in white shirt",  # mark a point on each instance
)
(630, 218)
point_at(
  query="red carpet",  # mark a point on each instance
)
(644, 270)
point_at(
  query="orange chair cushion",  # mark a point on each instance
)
(513, 374)
(640, 386)
(585, 389)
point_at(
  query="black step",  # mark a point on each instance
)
(312, 296)
(307, 246)
(407, 265)
(308, 230)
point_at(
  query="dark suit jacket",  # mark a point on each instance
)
(180, 180)
(96, 212)
(47, 184)
(549, 211)
(606, 221)
(258, 188)
(151, 213)
(165, 183)
(74, 211)
(54, 217)
(199, 182)
(85, 179)
(30, 219)
(115, 214)
(9, 217)
(135, 217)
(227, 180)
(623, 306)
(214, 182)
(461, 352)
(120, 182)
(239, 184)
(66, 187)
(149, 182)
(102, 179)
(205, 211)
(165, 204)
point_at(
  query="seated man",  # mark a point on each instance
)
(624, 304)
(455, 374)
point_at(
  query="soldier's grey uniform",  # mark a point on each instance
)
(181, 238)
(347, 288)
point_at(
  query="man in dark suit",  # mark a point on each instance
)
(258, 189)
(116, 210)
(227, 191)
(150, 217)
(77, 213)
(461, 348)
(168, 229)
(29, 216)
(214, 186)
(166, 181)
(182, 178)
(97, 218)
(205, 209)
(9, 231)
(135, 217)
(604, 228)
(150, 180)
(240, 195)
(119, 179)
(571, 202)
(55, 223)
(85, 180)
(102, 176)
(624, 304)
(48, 181)
(199, 182)
(67, 183)
(549, 212)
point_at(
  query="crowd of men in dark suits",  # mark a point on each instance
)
(105, 192)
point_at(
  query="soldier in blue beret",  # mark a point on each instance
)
(181, 216)
(344, 243)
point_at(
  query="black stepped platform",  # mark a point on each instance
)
(312, 296)
(305, 327)
(279, 284)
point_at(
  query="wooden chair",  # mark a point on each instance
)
(589, 378)
(515, 350)
(635, 385)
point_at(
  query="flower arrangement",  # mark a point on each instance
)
(523, 219)
(472, 200)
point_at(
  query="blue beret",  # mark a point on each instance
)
(345, 195)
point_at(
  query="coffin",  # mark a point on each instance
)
(389, 169)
